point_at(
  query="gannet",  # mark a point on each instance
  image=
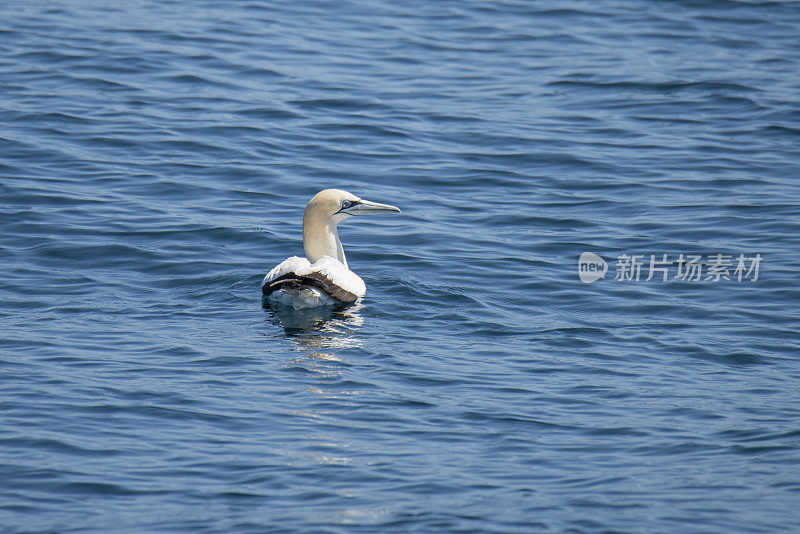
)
(324, 278)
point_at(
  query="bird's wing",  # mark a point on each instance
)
(295, 264)
(327, 273)
(337, 275)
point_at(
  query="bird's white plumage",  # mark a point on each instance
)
(294, 264)
(331, 268)
(307, 297)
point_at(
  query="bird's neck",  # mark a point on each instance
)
(321, 238)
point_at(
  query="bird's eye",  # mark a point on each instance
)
(346, 204)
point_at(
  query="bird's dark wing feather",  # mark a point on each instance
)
(314, 279)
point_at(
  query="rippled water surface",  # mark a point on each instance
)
(155, 159)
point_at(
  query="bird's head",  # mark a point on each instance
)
(327, 209)
(335, 205)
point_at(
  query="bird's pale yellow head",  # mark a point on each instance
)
(339, 205)
(327, 209)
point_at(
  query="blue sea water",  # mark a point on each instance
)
(155, 159)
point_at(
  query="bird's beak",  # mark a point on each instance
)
(365, 207)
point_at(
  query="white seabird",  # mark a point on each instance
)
(324, 278)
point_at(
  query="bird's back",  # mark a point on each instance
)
(298, 283)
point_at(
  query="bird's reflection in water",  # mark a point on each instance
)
(318, 332)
